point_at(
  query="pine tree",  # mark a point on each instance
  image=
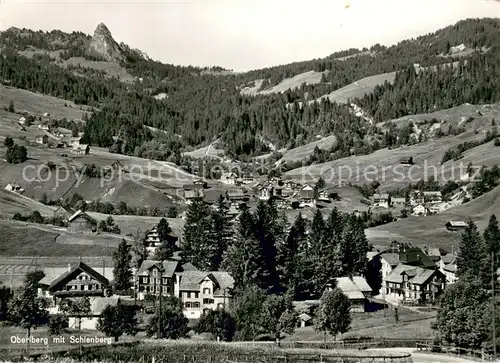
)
(167, 243)
(316, 234)
(199, 245)
(122, 270)
(264, 229)
(288, 255)
(222, 230)
(140, 249)
(491, 237)
(470, 258)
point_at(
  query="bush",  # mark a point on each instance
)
(58, 323)
(497, 141)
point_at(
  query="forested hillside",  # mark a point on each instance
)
(203, 106)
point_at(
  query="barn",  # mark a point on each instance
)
(80, 222)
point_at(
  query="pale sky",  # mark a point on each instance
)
(246, 34)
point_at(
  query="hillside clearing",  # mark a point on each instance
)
(37, 104)
(304, 151)
(310, 77)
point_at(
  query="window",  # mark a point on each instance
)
(144, 280)
(97, 286)
(188, 295)
(82, 287)
(208, 301)
(155, 271)
(196, 305)
(206, 291)
(187, 305)
(196, 295)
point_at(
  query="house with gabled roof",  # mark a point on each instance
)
(13, 187)
(63, 212)
(381, 200)
(154, 277)
(307, 196)
(414, 284)
(228, 178)
(77, 281)
(356, 289)
(201, 291)
(81, 222)
(235, 195)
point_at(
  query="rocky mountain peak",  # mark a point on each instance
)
(104, 46)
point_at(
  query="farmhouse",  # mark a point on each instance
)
(421, 210)
(64, 213)
(13, 187)
(191, 194)
(414, 284)
(448, 266)
(398, 202)
(406, 160)
(307, 197)
(81, 149)
(455, 225)
(202, 291)
(247, 179)
(80, 280)
(357, 290)
(381, 200)
(22, 120)
(389, 261)
(43, 126)
(155, 277)
(235, 195)
(42, 139)
(81, 222)
(153, 241)
(265, 191)
(228, 178)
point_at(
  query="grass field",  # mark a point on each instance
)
(304, 151)
(37, 104)
(431, 230)
(310, 77)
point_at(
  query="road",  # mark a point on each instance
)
(428, 358)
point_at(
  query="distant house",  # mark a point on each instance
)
(191, 194)
(153, 241)
(381, 200)
(455, 225)
(63, 213)
(203, 291)
(414, 284)
(356, 289)
(43, 126)
(265, 192)
(228, 178)
(81, 149)
(406, 160)
(324, 196)
(22, 120)
(421, 210)
(307, 197)
(416, 197)
(13, 187)
(398, 202)
(305, 320)
(389, 261)
(247, 179)
(42, 139)
(199, 184)
(46, 114)
(433, 196)
(290, 184)
(235, 195)
(448, 266)
(79, 280)
(72, 141)
(56, 144)
(89, 321)
(81, 222)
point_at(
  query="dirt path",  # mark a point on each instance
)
(418, 357)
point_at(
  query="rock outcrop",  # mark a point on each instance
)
(104, 46)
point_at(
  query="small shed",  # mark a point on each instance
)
(305, 320)
(81, 222)
(455, 225)
(42, 139)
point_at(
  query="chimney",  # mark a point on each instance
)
(69, 267)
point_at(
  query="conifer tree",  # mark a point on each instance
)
(288, 255)
(470, 258)
(167, 242)
(264, 229)
(491, 237)
(122, 270)
(316, 234)
(199, 247)
(222, 229)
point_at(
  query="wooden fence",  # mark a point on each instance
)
(478, 355)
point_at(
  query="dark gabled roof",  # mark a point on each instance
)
(415, 256)
(75, 271)
(169, 267)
